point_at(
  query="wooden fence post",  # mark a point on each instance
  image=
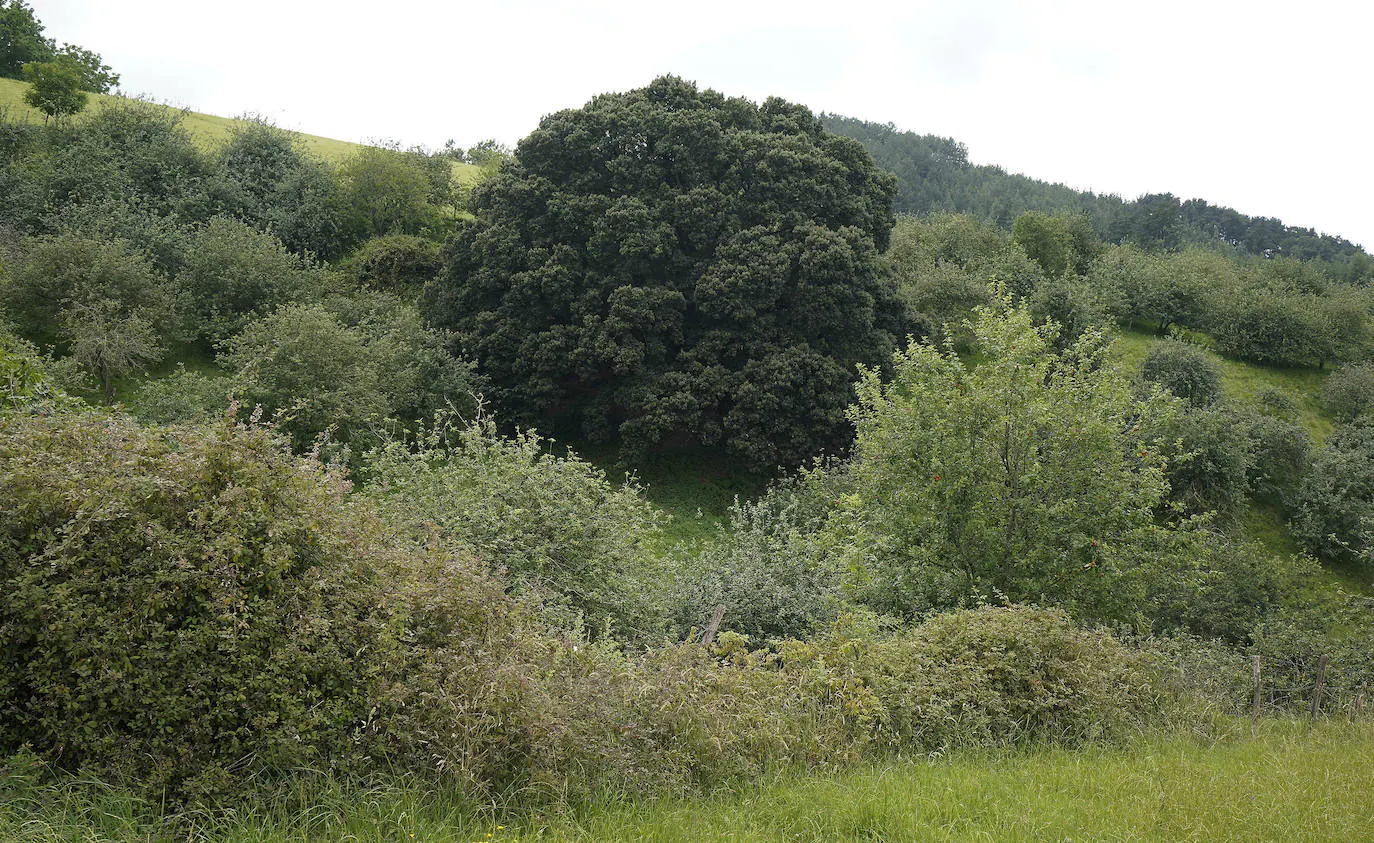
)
(1255, 710)
(713, 626)
(1317, 686)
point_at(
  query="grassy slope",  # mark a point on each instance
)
(207, 129)
(1292, 782)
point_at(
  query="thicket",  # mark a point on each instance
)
(197, 612)
(206, 605)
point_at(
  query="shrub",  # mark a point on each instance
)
(1334, 515)
(1211, 460)
(398, 262)
(1184, 370)
(1349, 392)
(234, 273)
(1281, 450)
(276, 185)
(990, 676)
(1033, 474)
(554, 524)
(773, 570)
(182, 609)
(361, 368)
(303, 363)
(181, 396)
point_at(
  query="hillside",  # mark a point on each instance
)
(207, 129)
(935, 174)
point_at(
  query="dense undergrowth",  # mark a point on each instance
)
(291, 553)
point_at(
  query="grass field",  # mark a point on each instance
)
(1292, 782)
(1243, 382)
(207, 129)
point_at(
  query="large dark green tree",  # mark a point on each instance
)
(674, 267)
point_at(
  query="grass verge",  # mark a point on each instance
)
(1294, 781)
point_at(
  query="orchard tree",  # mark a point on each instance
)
(674, 267)
(1183, 370)
(111, 341)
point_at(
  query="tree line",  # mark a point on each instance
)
(935, 175)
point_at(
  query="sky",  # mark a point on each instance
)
(1263, 107)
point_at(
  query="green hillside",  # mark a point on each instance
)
(207, 129)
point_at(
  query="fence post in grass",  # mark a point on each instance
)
(713, 626)
(1255, 710)
(1317, 686)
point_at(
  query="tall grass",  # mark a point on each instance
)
(1293, 781)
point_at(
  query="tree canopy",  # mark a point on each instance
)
(673, 266)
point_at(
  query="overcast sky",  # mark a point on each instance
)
(1261, 106)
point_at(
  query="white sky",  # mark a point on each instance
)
(1261, 106)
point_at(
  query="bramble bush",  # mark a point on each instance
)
(555, 525)
(182, 608)
(195, 613)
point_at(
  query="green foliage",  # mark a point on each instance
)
(1291, 642)
(106, 305)
(1274, 327)
(1334, 515)
(1240, 585)
(128, 151)
(1031, 475)
(555, 525)
(1072, 304)
(55, 87)
(675, 267)
(356, 369)
(234, 273)
(772, 570)
(272, 182)
(1211, 460)
(397, 262)
(1062, 244)
(110, 340)
(1281, 452)
(389, 191)
(30, 381)
(311, 372)
(21, 38)
(183, 609)
(95, 75)
(1349, 392)
(184, 395)
(1183, 370)
(943, 263)
(991, 676)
